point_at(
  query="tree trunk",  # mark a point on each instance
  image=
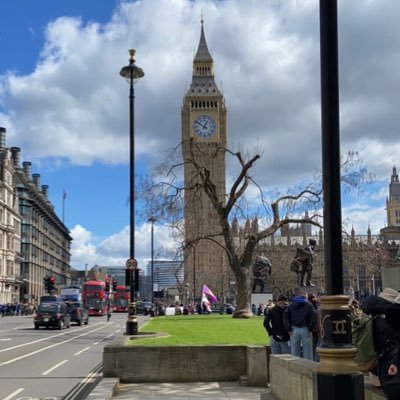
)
(243, 297)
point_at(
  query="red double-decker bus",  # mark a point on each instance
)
(94, 297)
(120, 299)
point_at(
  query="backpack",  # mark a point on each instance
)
(389, 369)
(363, 341)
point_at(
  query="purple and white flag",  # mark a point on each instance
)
(205, 303)
(209, 294)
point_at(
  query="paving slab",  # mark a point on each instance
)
(188, 391)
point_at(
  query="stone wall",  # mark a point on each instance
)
(292, 378)
(185, 363)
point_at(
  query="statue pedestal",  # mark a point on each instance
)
(308, 289)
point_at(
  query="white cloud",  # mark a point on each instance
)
(73, 107)
(266, 54)
(113, 250)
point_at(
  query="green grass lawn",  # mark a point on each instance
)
(204, 330)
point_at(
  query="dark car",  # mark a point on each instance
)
(78, 312)
(144, 307)
(53, 315)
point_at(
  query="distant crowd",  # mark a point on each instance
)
(10, 309)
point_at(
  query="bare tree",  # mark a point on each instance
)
(164, 191)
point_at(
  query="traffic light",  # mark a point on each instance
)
(114, 285)
(51, 284)
(46, 283)
(107, 285)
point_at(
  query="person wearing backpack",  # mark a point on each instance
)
(279, 339)
(386, 336)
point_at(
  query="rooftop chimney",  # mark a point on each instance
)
(45, 191)
(2, 138)
(27, 167)
(36, 181)
(15, 154)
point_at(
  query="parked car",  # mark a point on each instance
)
(53, 315)
(78, 312)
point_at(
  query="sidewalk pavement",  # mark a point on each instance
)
(111, 389)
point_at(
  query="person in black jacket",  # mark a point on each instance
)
(279, 340)
(300, 318)
(386, 329)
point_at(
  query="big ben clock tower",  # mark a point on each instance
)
(203, 141)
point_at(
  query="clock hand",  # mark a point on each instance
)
(200, 124)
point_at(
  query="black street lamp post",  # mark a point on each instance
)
(337, 368)
(152, 220)
(132, 73)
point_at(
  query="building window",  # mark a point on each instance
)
(10, 268)
(25, 250)
(25, 231)
(24, 210)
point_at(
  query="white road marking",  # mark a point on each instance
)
(111, 334)
(49, 347)
(81, 351)
(53, 368)
(10, 396)
(45, 338)
(4, 340)
(96, 343)
(119, 330)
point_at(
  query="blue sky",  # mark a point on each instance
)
(63, 102)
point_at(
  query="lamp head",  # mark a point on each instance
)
(131, 72)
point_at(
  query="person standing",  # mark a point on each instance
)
(279, 339)
(300, 319)
(317, 326)
(108, 311)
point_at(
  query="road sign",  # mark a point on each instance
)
(131, 263)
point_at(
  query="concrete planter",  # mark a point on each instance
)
(185, 363)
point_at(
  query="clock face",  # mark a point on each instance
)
(204, 126)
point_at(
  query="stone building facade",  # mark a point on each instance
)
(364, 257)
(10, 229)
(45, 240)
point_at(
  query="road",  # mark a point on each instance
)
(52, 364)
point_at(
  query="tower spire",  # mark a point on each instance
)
(202, 55)
(395, 176)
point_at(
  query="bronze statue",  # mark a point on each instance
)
(261, 268)
(302, 264)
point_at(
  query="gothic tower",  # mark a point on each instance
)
(203, 137)
(393, 201)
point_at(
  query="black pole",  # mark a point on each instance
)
(132, 73)
(337, 376)
(133, 280)
(333, 260)
(194, 274)
(152, 260)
